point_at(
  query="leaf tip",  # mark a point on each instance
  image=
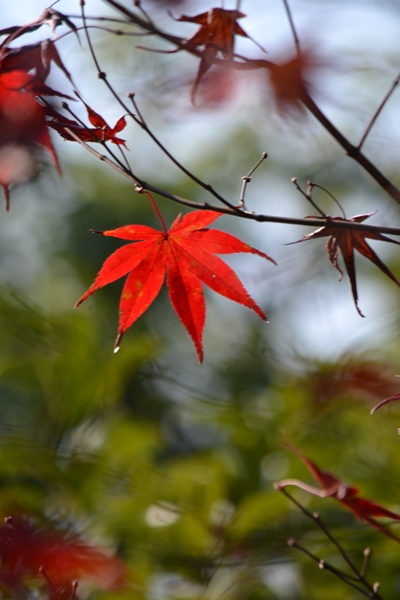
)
(118, 341)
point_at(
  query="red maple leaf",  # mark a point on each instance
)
(101, 133)
(27, 550)
(22, 121)
(346, 241)
(331, 486)
(186, 256)
(218, 28)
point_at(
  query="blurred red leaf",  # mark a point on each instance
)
(218, 87)
(290, 80)
(27, 551)
(22, 120)
(185, 254)
(346, 241)
(218, 28)
(349, 377)
(332, 486)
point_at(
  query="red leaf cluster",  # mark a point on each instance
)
(346, 241)
(332, 487)
(28, 551)
(23, 72)
(186, 256)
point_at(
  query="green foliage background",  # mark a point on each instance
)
(167, 463)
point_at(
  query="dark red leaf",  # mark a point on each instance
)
(332, 486)
(101, 133)
(346, 241)
(34, 57)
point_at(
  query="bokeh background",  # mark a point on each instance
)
(165, 462)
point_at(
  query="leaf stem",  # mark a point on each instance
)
(141, 190)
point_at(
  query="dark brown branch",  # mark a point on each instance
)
(305, 222)
(351, 150)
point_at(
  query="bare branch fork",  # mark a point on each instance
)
(357, 581)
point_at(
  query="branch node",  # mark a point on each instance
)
(102, 75)
(291, 542)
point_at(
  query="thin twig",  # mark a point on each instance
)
(337, 572)
(312, 185)
(143, 124)
(318, 521)
(247, 178)
(292, 27)
(307, 196)
(315, 517)
(378, 110)
(365, 565)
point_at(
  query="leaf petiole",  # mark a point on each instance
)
(140, 190)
